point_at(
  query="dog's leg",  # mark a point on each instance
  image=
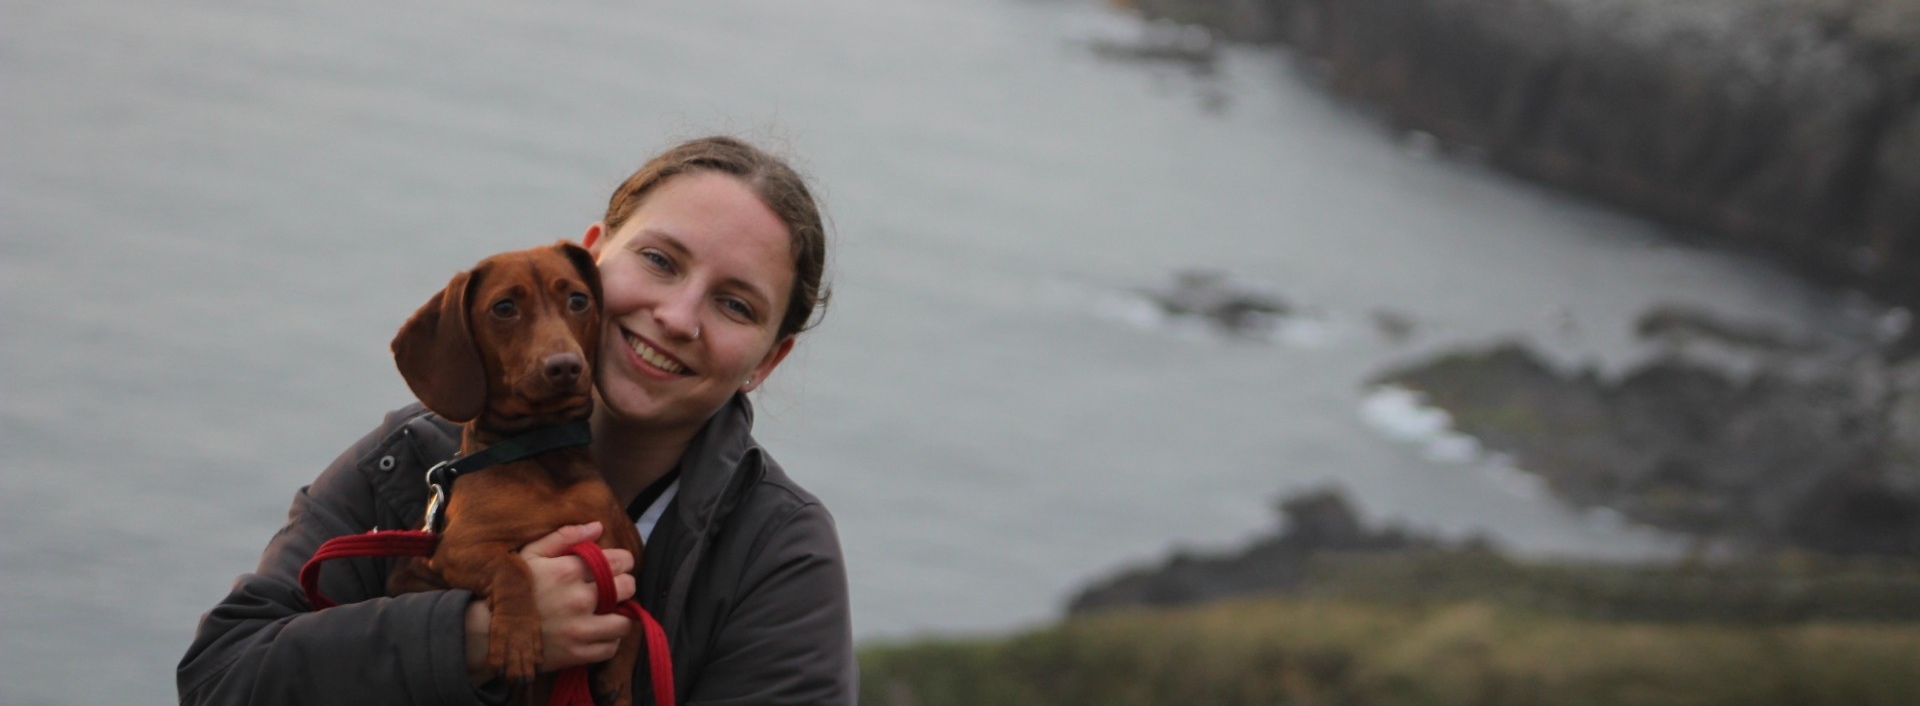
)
(613, 680)
(494, 570)
(414, 575)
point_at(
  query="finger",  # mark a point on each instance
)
(620, 561)
(558, 573)
(594, 653)
(623, 587)
(557, 541)
(601, 628)
(585, 641)
(585, 653)
(579, 600)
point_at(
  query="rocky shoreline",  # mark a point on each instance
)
(1747, 438)
(1785, 127)
(1314, 524)
(1772, 450)
(1322, 551)
(1744, 438)
(1330, 611)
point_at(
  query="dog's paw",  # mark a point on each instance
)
(613, 686)
(513, 648)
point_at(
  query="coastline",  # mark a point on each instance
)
(1331, 611)
(1785, 128)
(1789, 128)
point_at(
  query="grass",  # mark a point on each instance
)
(1304, 650)
(1793, 587)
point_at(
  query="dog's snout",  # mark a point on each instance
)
(563, 367)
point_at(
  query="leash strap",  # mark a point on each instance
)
(375, 543)
(571, 688)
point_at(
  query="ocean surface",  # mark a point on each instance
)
(213, 217)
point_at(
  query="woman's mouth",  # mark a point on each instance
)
(653, 356)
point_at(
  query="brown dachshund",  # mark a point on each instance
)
(508, 347)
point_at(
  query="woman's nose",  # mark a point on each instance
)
(679, 314)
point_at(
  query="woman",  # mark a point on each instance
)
(711, 257)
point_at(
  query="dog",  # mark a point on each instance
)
(509, 347)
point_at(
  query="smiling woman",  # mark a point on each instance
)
(692, 280)
(711, 258)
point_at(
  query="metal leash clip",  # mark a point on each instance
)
(437, 505)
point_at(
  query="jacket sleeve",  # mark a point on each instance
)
(264, 644)
(789, 638)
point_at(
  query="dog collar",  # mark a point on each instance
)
(441, 476)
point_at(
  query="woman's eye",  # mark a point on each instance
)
(657, 259)
(577, 302)
(505, 309)
(738, 308)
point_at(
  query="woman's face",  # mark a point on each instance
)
(696, 282)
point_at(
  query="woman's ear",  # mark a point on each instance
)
(592, 239)
(767, 364)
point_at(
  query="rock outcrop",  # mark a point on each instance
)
(1323, 550)
(1789, 127)
(1797, 445)
(1315, 524)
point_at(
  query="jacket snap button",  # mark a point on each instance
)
(386, 463)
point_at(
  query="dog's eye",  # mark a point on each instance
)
(505, 309)
(577, 303)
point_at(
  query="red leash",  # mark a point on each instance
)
(375, 543)
(570, 687)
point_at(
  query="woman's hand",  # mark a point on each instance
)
(565, 597)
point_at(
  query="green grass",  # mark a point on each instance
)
(1327, 651)
(1761, 590)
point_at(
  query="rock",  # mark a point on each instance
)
(1804, 450)
(1322, 519)
(1213, 297)
(1395, 326)
(1678, 324)
(1187, 44)
(1314, 524)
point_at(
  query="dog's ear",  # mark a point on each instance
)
(437, 356)
(583, 261)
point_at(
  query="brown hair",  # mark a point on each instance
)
(779, 187)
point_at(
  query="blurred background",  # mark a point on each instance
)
(1106, 287)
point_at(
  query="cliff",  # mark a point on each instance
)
(1789, 127)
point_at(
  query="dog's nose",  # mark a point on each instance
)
(563, 367)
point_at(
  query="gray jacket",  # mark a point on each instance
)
(744, 571)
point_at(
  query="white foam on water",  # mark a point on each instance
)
(1403, 416)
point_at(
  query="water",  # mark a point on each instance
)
(214, 217)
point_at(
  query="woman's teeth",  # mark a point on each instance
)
(655, 358)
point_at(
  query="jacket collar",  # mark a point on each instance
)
(718, 466)
(720, 461)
